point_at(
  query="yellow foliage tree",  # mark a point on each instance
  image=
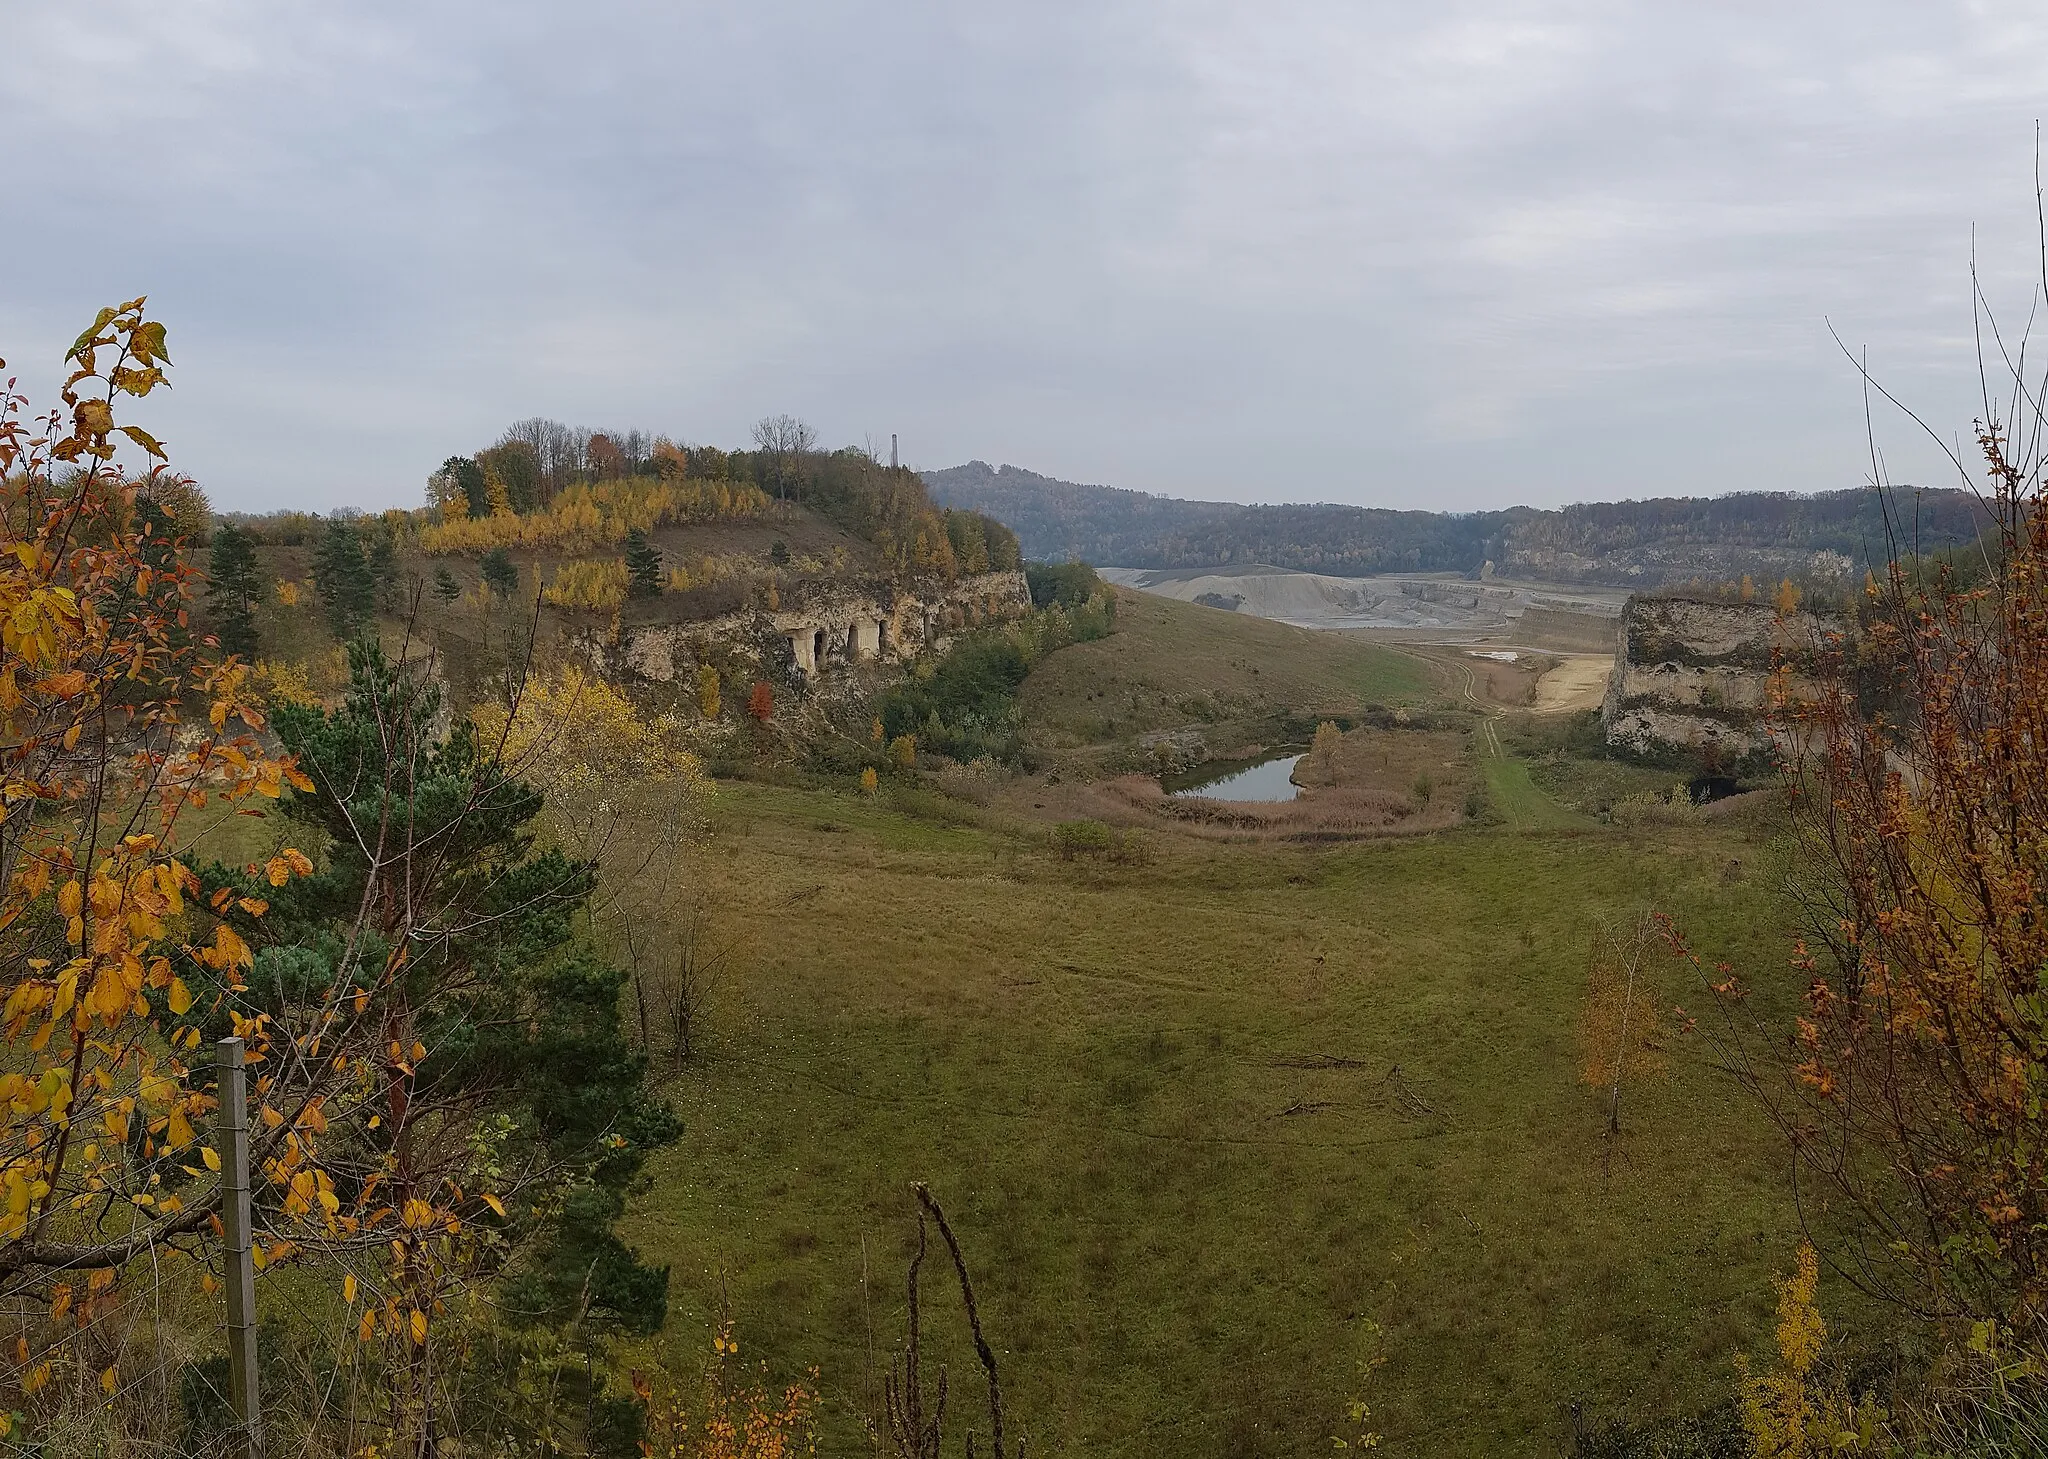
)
(586, 518)
(98, 909)
(590, 584)
(1324, 747)
(1787, 600)
(707, 691)
(1792, 1411)
(577, 735)
(496, 495)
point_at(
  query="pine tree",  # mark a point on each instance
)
(445, 586)
(382, 561)
(347, 591)
(643, 566)
(232, 591)
(523, 1015)
(499, 573)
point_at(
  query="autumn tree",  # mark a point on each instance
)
(1323, 749)
(1621, 1032)
(440, 1080)
(112, 952)
(761, 701)
(458, 488)
(516, 464)
(707, 691)
(1919, 766)
(603, 458)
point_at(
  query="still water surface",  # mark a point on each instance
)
(1260, 780)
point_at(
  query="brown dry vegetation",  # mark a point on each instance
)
(1371, 788)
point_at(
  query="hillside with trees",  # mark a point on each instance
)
(1829, 535)
(547, 486)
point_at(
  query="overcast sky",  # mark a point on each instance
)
(1419, 254)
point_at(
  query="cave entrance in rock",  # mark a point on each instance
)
(852, 642)
(818, 649)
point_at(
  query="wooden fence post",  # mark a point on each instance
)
(241, 1267)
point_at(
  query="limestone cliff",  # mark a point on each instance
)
(824, 625)
(1697, 675)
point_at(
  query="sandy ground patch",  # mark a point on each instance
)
(1579, 682)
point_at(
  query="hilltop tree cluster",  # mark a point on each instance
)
(545, 485)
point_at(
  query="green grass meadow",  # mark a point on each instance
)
(1171, 664)
(1203, 1124)
(1218, 1125)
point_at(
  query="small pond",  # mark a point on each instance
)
(1265, 779)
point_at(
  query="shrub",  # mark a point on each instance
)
(1068, 584)
(1100, 842)
(1072, 839)
(1649, 809)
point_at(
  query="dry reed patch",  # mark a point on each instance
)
(1332, 814)
(1390, 760)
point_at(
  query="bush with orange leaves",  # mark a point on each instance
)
(101, 924)
(1913, 1093)
(740, 1416)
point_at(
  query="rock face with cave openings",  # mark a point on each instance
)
(826, 626)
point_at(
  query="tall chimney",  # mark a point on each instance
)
(892, 450)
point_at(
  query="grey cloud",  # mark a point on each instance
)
(1452, 255)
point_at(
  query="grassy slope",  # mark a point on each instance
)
(1092, 1070)
(1095, 1068)
(1171, 663)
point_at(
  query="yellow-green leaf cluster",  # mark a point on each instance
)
(587, 518)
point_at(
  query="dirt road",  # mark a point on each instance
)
(1577, 683)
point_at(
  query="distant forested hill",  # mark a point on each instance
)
(1622, 544)
(1062, 519)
